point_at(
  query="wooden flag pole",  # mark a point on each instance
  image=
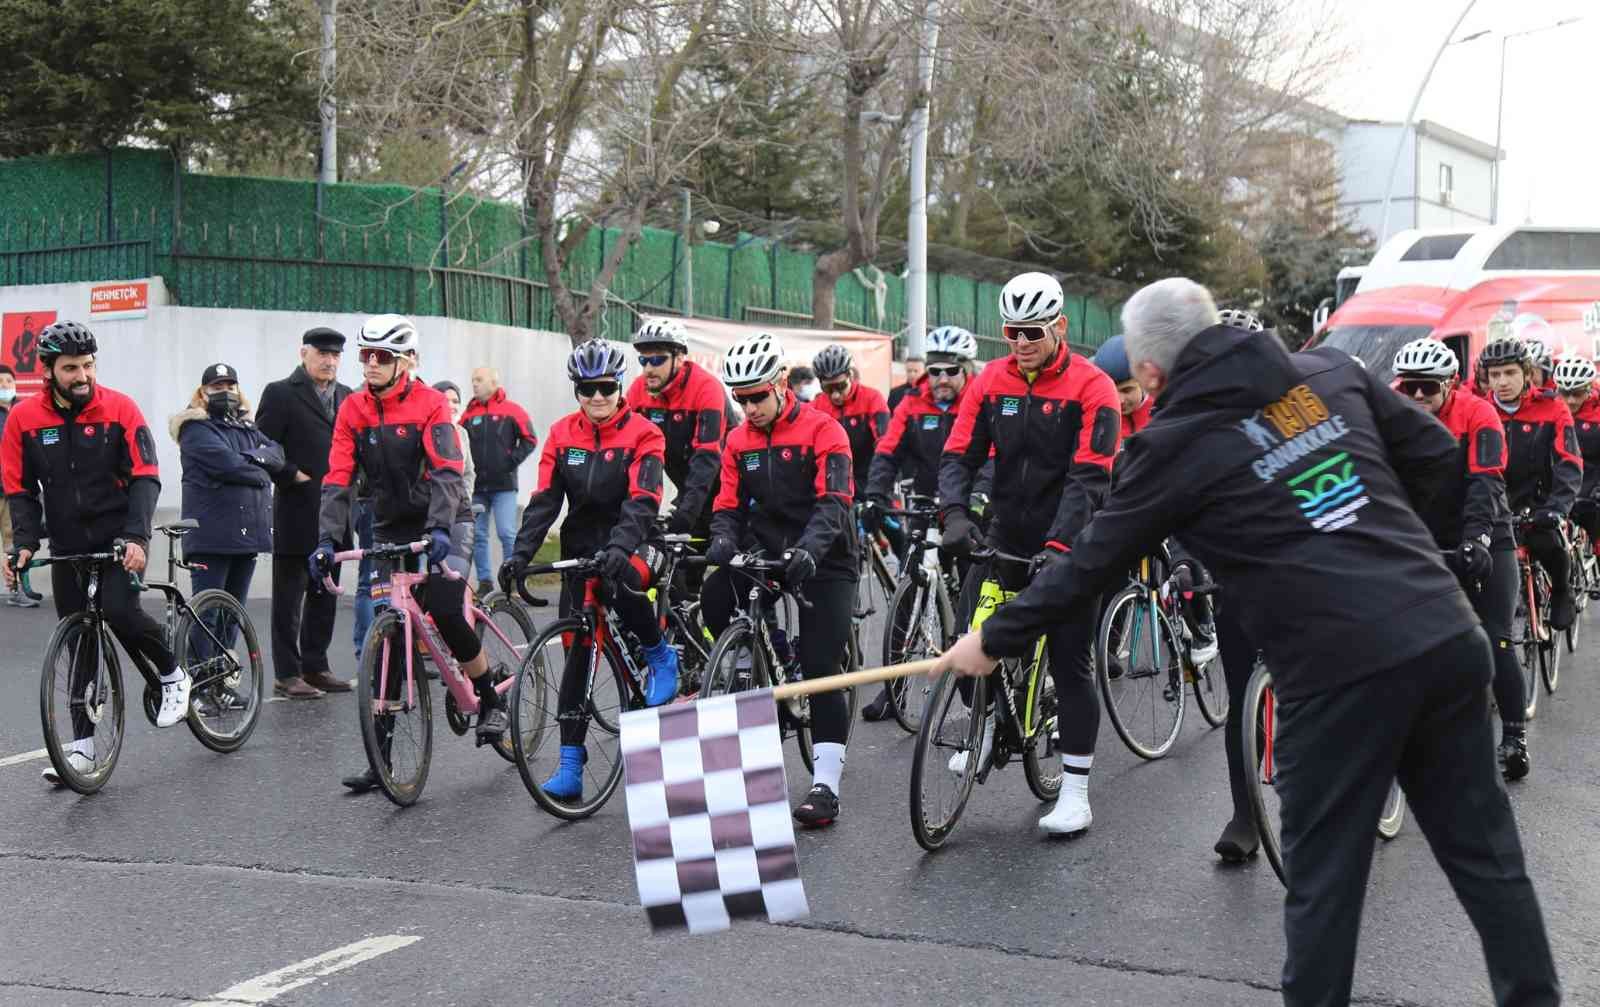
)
(849, 679)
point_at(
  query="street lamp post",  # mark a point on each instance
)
(1500, 109)
(917, 224)
(1400, 141)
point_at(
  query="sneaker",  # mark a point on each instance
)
(360, 783)
(174, 700)
(1562, 611)
(567, 782)
(1238, 842)
(821, 807)
(80, 759)
(958, 761)
(662, 685)
(485, 588)
(1071, 814)
(878, 709)
(1513, 755)
(19, 599)
(1203, 647)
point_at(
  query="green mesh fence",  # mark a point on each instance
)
(224, 241)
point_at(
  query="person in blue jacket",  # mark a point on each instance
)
(227, 483)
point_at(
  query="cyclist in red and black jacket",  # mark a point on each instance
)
(1472, 521)
(786, 490)
(79, 459)
(1053, 423)
(1543, 468)
(863, 412)
(1575, 378)
(396, 435)
(689, 405)
(604, 463)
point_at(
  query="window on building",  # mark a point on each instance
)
(1447, 183)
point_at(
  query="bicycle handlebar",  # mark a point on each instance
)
(382, 551)
(984, 553)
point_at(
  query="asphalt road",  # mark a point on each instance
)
(254, 878)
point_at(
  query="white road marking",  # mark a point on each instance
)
(263, 989)
(12, 760)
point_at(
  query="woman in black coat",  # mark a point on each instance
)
(227, 483)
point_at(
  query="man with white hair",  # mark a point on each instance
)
(1296, 480)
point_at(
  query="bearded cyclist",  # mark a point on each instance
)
(1053, 424)
(1575, 379)
(915, 442)
(1543, 469)
(397, 433)
(603, 462)
(1473, 522)
(80, 460)
(786, 490)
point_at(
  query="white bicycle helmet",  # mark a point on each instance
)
(1239, 318)
(1426, 358)
(1031, 299)
(952, 339)
(833, 362)
(1574, 373)
(662, 332)
(754, 360)
(394, 333)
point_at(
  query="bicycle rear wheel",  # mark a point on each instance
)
(81, 703)
(738, 663)
(1140, 668)
(535, 716)
(1259, 725)
(950, 729)
(915, 629)
(1211, 692)
(216, 644)
(397, 726)
(1043, 772)
(1393, 817)
(512, 620)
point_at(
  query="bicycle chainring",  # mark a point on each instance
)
(458, 721)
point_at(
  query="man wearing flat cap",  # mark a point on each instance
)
(298, 413)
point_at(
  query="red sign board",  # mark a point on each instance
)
(131, 298)
(19, 347)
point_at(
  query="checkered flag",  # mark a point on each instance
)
(709, 808)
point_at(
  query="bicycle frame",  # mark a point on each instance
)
(990, 597)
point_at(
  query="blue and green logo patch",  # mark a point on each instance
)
(577, 456)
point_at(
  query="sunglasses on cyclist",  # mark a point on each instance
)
(589, 389)
(1018, 333)
(842, 385)
(654, 359)
(752, 398)
(1426, 387)
(383, 358)
(943, 370)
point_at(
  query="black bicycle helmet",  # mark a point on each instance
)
(834, 361)
(1505, 350)
(66, 339)
(596, 360)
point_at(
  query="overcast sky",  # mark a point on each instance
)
(1552, 123)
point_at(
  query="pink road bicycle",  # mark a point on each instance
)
(395, 709)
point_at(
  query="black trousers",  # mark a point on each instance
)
(302, 619)
(1070, 647)
(824, 634)
(1238, 662)
(1495, 601)
(1550, 549)
(1427, 722)
(141, 635)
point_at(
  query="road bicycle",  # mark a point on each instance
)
(81, 698)
(678, 610)
(945, 766)
(1143, 658)
(1538, 649)
(879, 571)
(1585, 578)
(395, 706)
(922, 617)
(1259, 734)
(592, 655)
(744, 657)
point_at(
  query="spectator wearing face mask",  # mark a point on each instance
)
(8, 398)
(228, 467)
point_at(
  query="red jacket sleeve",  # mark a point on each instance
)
(334, 518)
(831, 516)
(1567, 474)
(967, 448)
(728, 491)
(447, 497)
(11, 480)
(1089, 475)
(645, 476)
(144, 475)
(878, 413)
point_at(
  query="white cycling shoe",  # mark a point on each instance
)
(1071, 814)
(1202, 654)
(174, 700)
(958, 761)
(80, 759)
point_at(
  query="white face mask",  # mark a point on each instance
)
(7, 394)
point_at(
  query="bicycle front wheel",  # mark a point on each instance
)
(565, 649)
(1211, 692)
(506, 637)
(916, 629)
(1527, 654)
(1259, 728)
(1393, 817)
(1140, 668)
(1042, 772)
(945, 764)
(81, 703)
(396, 712)
(216, 644)
(739, 663)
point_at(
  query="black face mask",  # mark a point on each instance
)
(220, 404)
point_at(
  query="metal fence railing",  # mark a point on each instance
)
(105, 260)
